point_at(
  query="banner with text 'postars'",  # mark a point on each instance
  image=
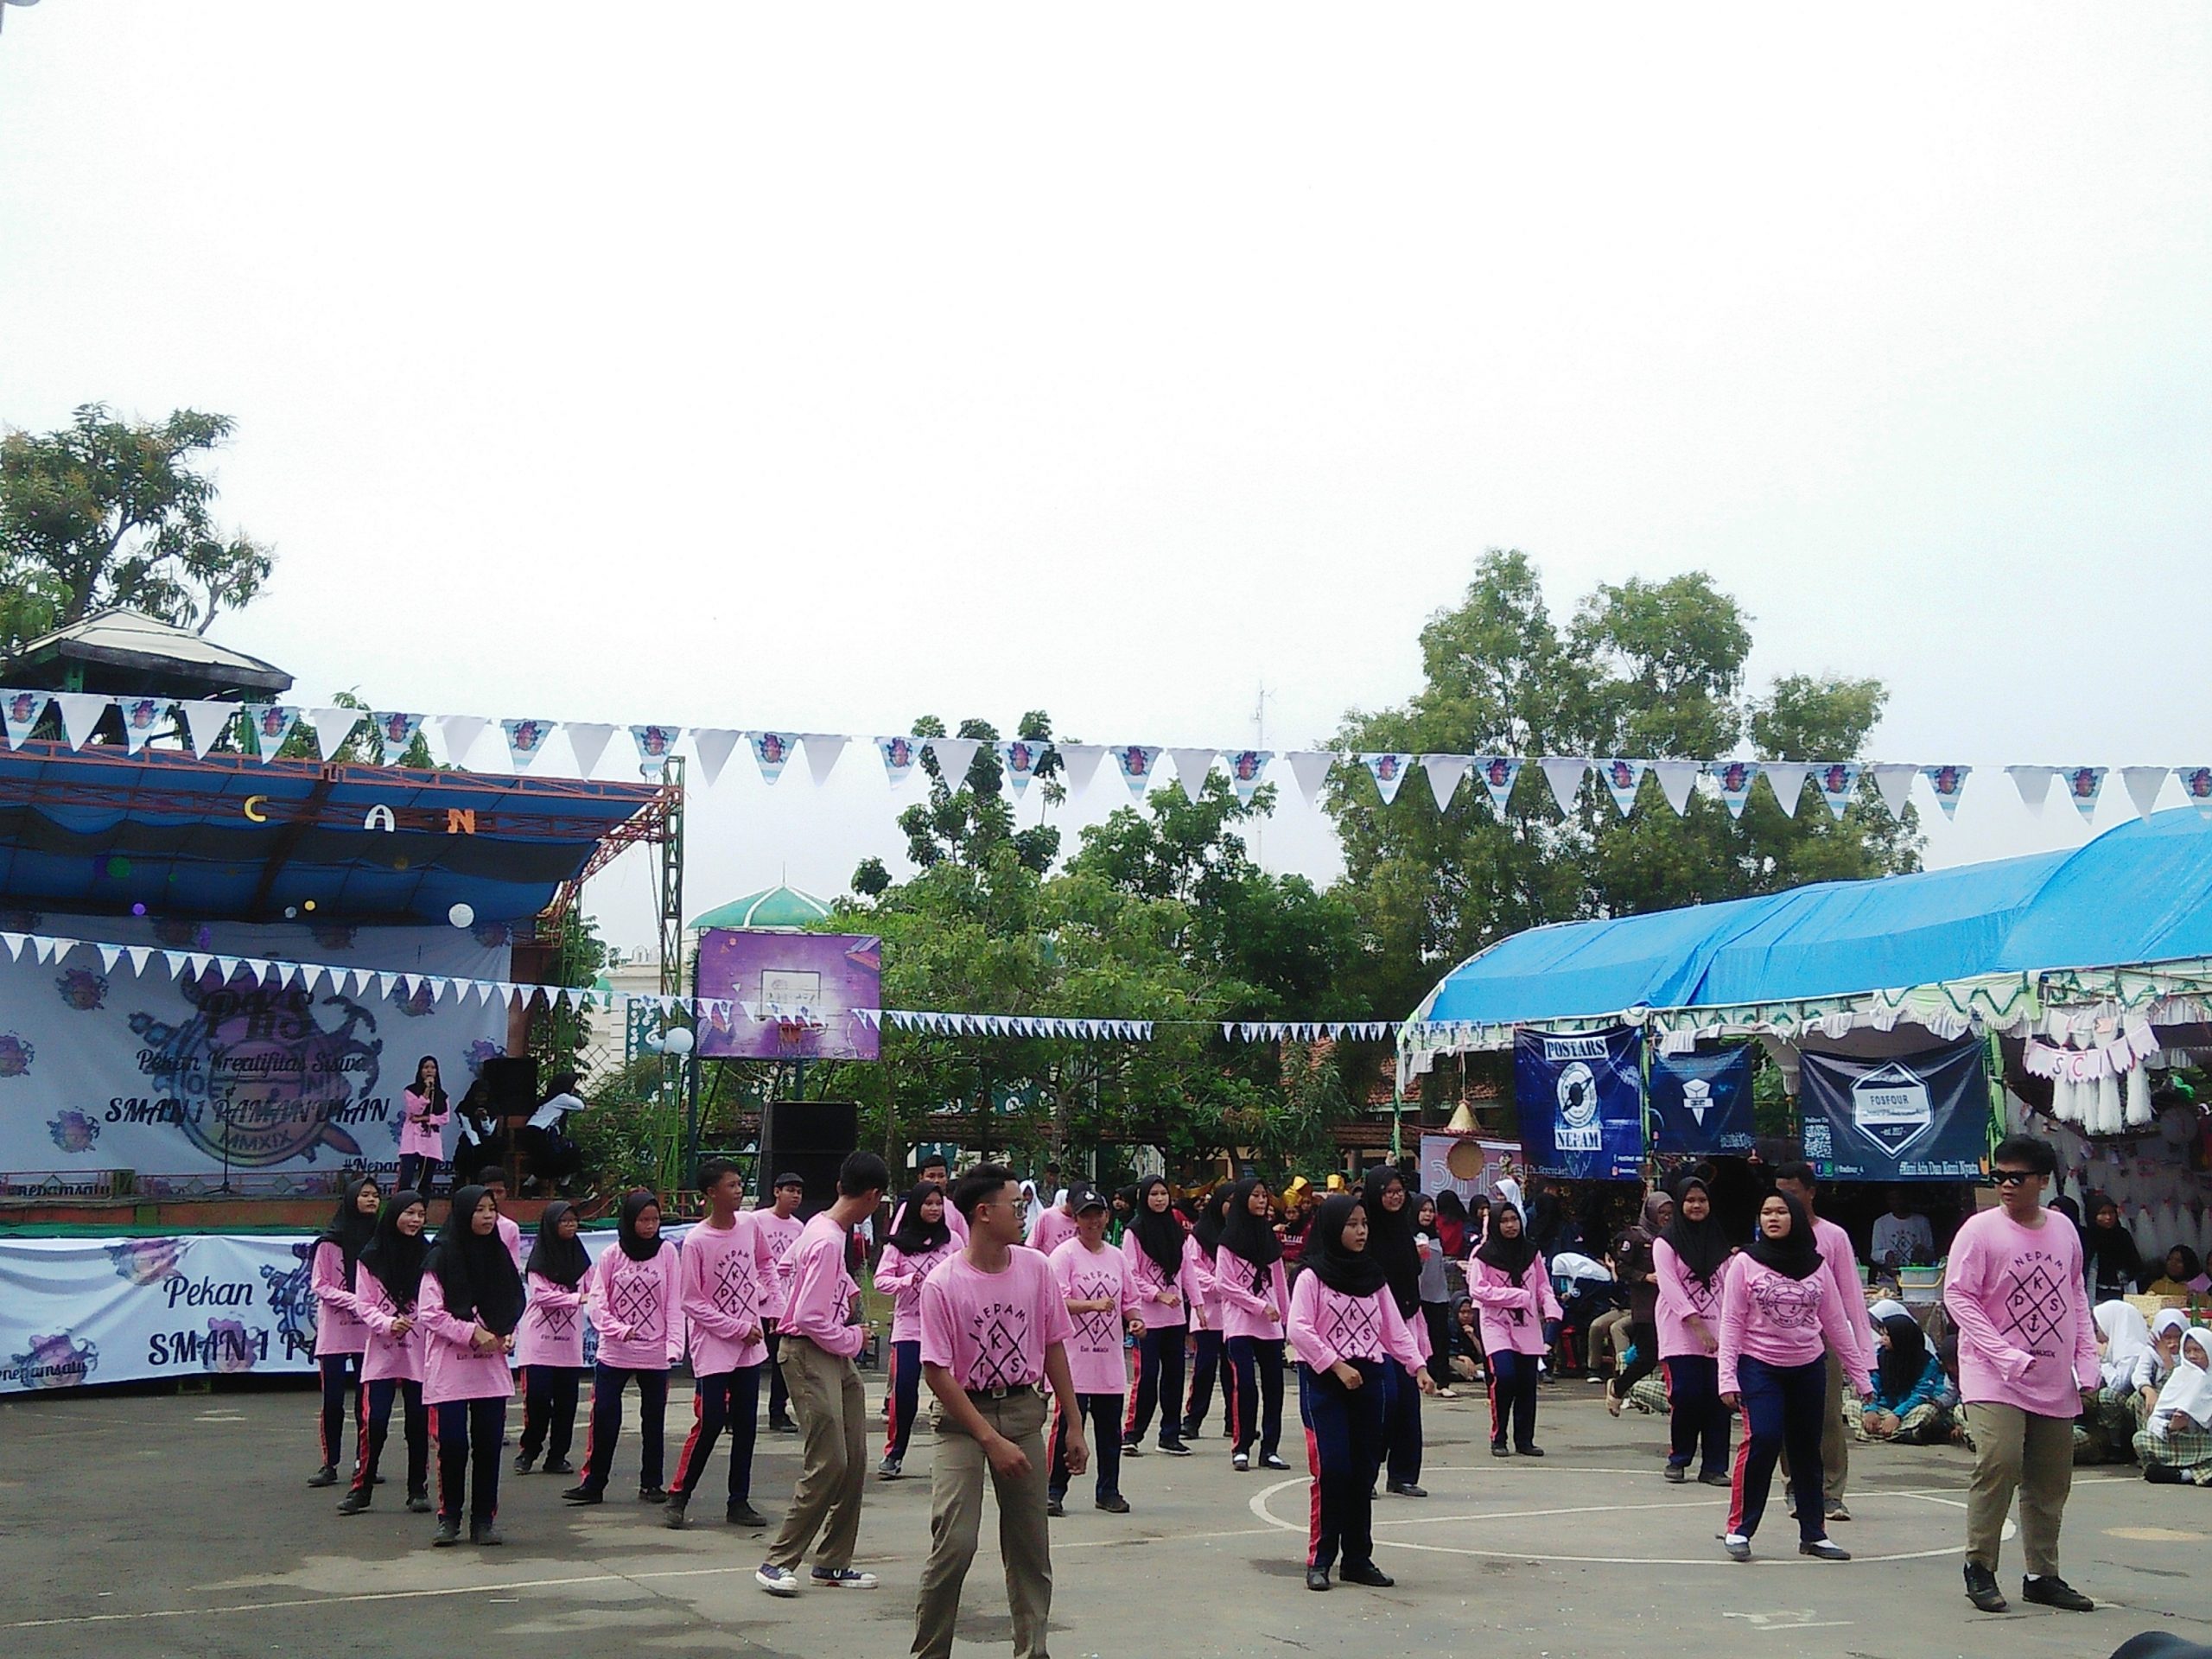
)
(1581, 1102)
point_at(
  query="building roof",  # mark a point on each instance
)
(774, 908)
(126, 653)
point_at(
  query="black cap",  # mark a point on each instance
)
(789, 1179)
(1084, 1196)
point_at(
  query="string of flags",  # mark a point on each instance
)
(277, 974)
(529, 743)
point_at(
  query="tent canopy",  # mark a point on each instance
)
(2138, 894)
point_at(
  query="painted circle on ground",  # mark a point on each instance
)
(1258, 1506)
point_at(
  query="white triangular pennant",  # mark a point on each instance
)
(822, 749)
(1311, 768)
(45, 947)
(954, 756)
(1445, 772)
(525, 740)
(1564, 774)
(1135, 761)
(1389, 770)
(1018, 758)
(772, 752)
(2034, 784)
(654, 743)
(1622, 778)
(142, 718)
(1080, 761)
(1787, 779)
(2083, 786)
(1191, 766)
(269, 724)
(332, 728)
(1948, 783)
(1498, 773)
(81, 713)
(19, 713)
(109, 953)
(396, 731)
(1675, 779)
(139, 954)
(2143, 784)
(1893, 782)
(176, 961)
(714, 746)
(206, 722)
(900, 756)
(460, 733)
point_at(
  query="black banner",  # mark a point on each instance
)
(1919, 1117)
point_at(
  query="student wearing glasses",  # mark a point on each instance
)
(2027, 1365)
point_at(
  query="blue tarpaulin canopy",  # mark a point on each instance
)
(2139, 894)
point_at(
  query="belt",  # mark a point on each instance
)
(1003, 1391)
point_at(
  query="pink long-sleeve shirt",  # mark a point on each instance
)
(510, 1231)
(1243, 1310)
(1683, 1296)
(1778, 1320)
(901, 1276)
(1327, 1325)
(1153, 1285)
(1201, 1273)
(452, 1368)
(773, 1238)
(338, 1327)
(721, 1294)
(388, 1356)
(1858, 1355)
(552, 1329)
(421, 1129)
(1094, 1352)
(2027, 1337)
(1513, 1310)
(636, 1306)
(953, 1220)
(822, 1292)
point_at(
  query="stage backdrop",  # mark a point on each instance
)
(1923, 1117)
(1702, 1103)
(1581, 1102)
(791, 995)
(107, 1066)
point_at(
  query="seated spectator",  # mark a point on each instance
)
(2183, 1275)
(2174, 1447)
(1909, 1400)
(1467, 1340)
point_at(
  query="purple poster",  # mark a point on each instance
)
(791, 995)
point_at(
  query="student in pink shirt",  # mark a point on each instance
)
(469, 1304)
(1857, 1359)
(936, 1172)
(1053, 1227)
(2015, 1288)
(921, 1237)
(1344, 1328)
(1691, 1259)
(1778, 1306)
(1506, 1280)
(339, 1336)
(994, 1325)
(387, 1279)
(1207, 1355)
(637, 1310)
(549, 1343)
(494, 1180)
(774, 1231)
(1100, 1293)
(721, 1296)
(423, 1113)
(1255, 1301)
(1158, 1252)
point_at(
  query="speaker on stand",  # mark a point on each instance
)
(512, 1085)
(809, 1139)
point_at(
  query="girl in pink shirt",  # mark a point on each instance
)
(390, 1273)
(1100, 1293)
(921, 1236)
(549, 1343)
(1206, 1355)
(339, 1336)
(1506, 1280)
(469, 1304)
(1159, 1253)
(1778, 1306)
(1691, 1259)
(635, 1300)
(1345, 1328)
(1255, 1301)
(423, 1113)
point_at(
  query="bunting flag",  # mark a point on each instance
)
(2083, 786)
(1564, 774)
(1389, 770)
(1311, 768)
(954, 756)
(822, 749)
(772, 752)
(1248, 769)
(396, 731)
(81, 715)
(460, 733)
(1622, 780)
(1499, 773)
(2034, 784)
(714, 746)
(20, 712)
(142, 718)
(2196, 783)
(332, 728)
(271, 724)
(901, 758)
(1893, 782)
(2143, 784)
(1135, 761)
(1733, 779)
(1080, 760)
(1787, 779)
(1676, 779)
(1191, 766)
(1837, 781)
(655, 744)
(1018, 758)
(1445, 772)
(1950, 783)
(525, 737)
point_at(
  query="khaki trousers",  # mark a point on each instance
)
(825, 1393)
(957, 1518)
(2016, 1450)
(1835, 1441)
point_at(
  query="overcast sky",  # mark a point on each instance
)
(822, 367)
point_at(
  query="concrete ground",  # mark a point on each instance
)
(179, 1524)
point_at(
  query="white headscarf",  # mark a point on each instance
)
(2189, 1390)
(2127, 1338)
(1889, 1305)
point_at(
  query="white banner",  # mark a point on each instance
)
(197, 1047)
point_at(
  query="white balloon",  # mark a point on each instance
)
(462, 916)
(677, 1042)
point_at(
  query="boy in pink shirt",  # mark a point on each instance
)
(995, 1325)
(2027, 1364)
(1053, 1227)
(1100, 1293)
(721, 1296)
(774, 1231)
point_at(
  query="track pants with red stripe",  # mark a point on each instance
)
(1104, 1413)
(722, 1400)
(1782, 1406)
(902, 1400)
(1204, 1364)
(1344, 1441)
(337, 1370)
(1254, 1381)
(468, 1432)
(416, 1421)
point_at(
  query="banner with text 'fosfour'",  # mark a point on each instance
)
(1917, 1117)
(1581, 1102)
(196, 1051)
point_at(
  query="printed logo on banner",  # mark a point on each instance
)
(2196, 783)
(291, 1298)
(1836, 781)
(148, 1261)
(72, 1131)
(1578, 1129)
(1733, 780)
(82, 990)
(654, 743)
(1498, 772)
(1697, 1099)
(16, 1055)
(1890, 1106)
(899, 759)
(56, 1362)
(20, 714)
(1246, 766)
(396, 731)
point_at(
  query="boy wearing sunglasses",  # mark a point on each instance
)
(2027, 1362)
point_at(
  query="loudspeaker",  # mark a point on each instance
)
(809, 1139)
(512, 1085)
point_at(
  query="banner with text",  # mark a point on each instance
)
(1919, 1117)
(1702, 1103)
(1581, 1102)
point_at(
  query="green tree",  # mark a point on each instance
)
(965, 818)
(107, 512)
(1642, 669)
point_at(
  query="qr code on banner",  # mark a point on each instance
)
(1817, 1142)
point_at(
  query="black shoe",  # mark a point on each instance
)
(1716, 1477)
(1527, 1450)
(1175, 1448)
(1982, 1591)
(744, 1515)
(2051, 1591)
(418, 1503)
(1370, 1574)
(786, 1427)
(525, 1463)
(1316, 1578)
(586, 1495)
(325, 1475)
(1133, 1448)
(487, 1535)
(1674, 1474)
(1501, 1452)
(448, 1534)
(2158, 1474)
(652, 1494)
(558, 1466)
(1407, 1489)
(1822, 1549)
(354, 1502)
(1269, 1461)
(1114, 1505)
(674, 1519)
(1055, 1508)
(1188, 1431)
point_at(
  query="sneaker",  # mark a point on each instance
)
(1834, 1510)
(1368, 1573)
(354, 1502)
(2051, 1591)
(558, 1466)
(1114, 1505)
(1187, 1430)
(891, 1469)
(744, 1515)
(1674, 1474)
(527, 1461)
(1175, 1448)
(1056, 1508)
(325, 1475)
(586, 1495)
(487, 1535)
(1527, 1450)
(418, 1503)
(1982, 1591)
(1316, 1578)
(1822, 1549)
(844, 1578)
(1501, 1451)
(777, 1580)
(1593, 1378)
(1445, 1391)
(652, 1494)
(1240, 1461)
(674, 1519)
(448, 1534)
(2161, 1474)
(1132, 1449)
(1737, 1546)
(1406, 1489)
(1269, 1461)
(1716, 1477)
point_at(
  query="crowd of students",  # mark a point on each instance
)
(1051, 1341)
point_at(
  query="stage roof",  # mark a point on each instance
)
(2138, 894)
(99, 830)
(126, 653)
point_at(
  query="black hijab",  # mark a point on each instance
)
(1349, 1273)
(1702, 1246)
(914, 1236)
(2112, 1247)
(474, 1270)
(394, 1260)
(558, 1261)
(1213, 1219)
(1510, 1256)
(349, 1229)
(1390, 1237)
(1249, 1236)
(1160, 1237)
(1906, 1356)
(437, 1095)
(634, 1245)
(1795, 1256)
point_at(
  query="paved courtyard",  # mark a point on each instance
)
(181, 1524)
